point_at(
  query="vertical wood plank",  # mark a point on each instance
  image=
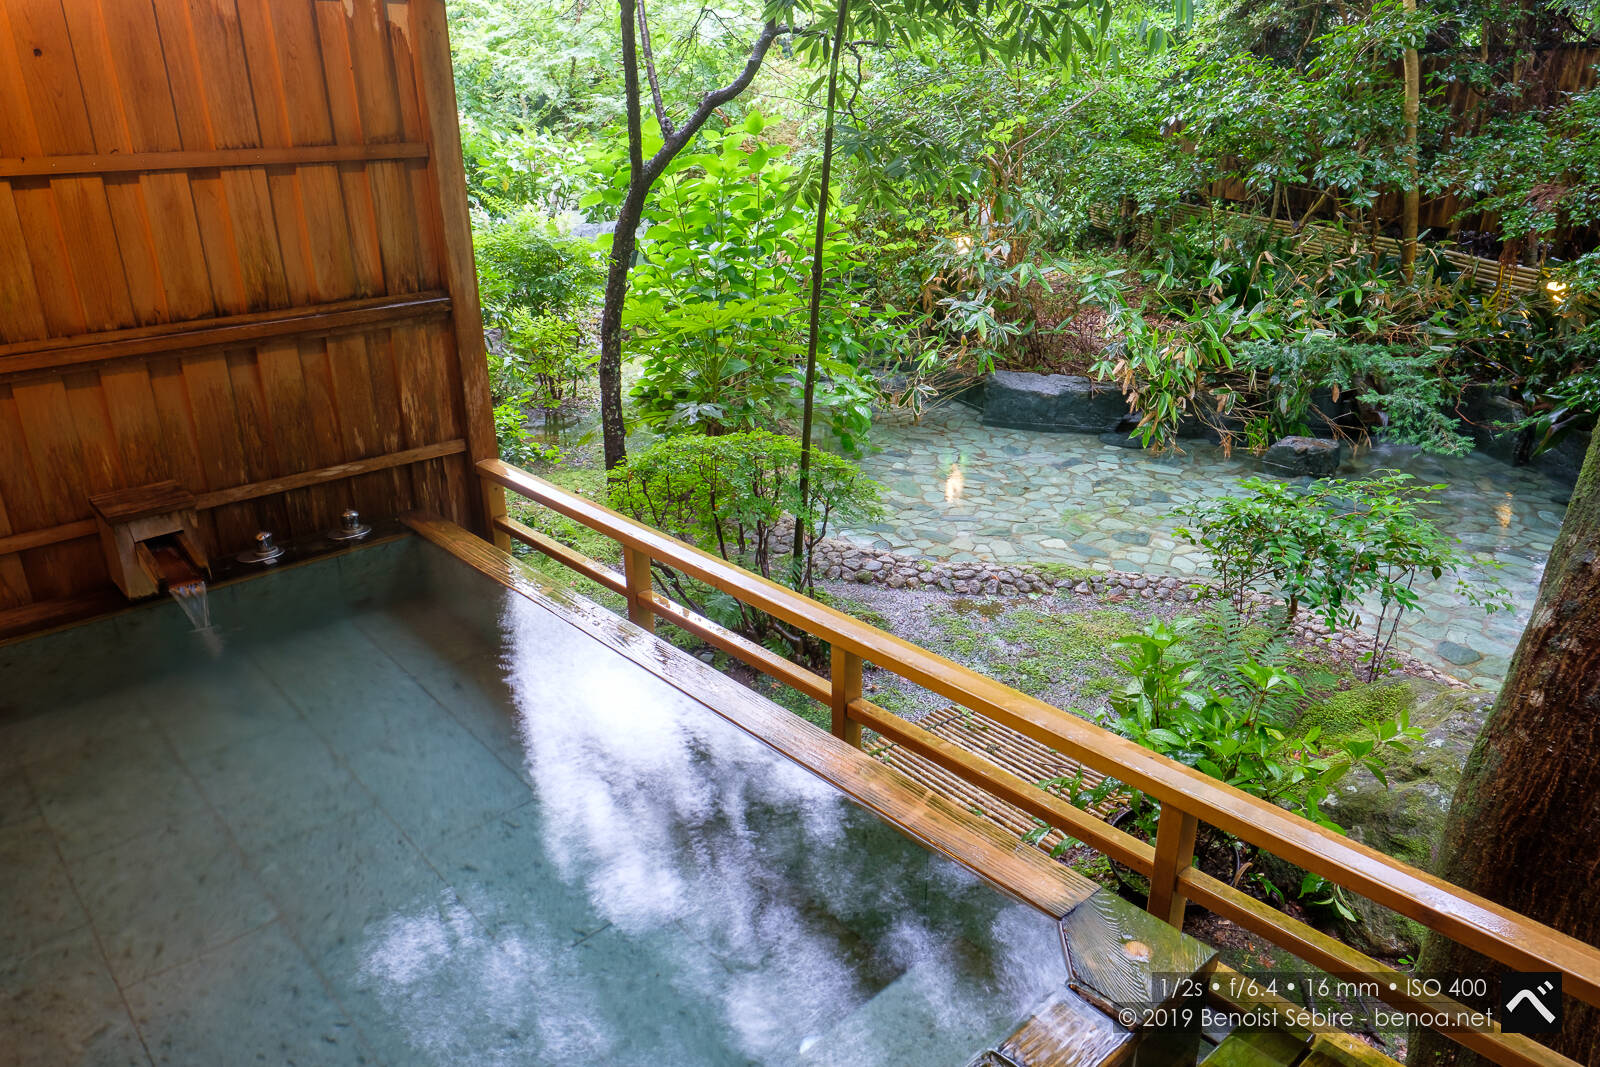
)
(21, 316)
(429, 47)
(284, 397)
(845, 669)
(42, 52)
(339, 74)
(636, 568)
(1175, 833)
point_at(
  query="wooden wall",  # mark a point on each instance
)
(234, 252)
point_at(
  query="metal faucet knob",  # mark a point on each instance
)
(351, 528)
(266, 550)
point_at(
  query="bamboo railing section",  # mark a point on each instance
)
(1186, 796)
(1488, 275)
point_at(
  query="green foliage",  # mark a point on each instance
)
(718, 305)
(1223, 721)
(543, 360)
(525, 263)
(1326, 547)
(728, 494)
(1410, 392)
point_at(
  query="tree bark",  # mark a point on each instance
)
(1413, 194)
(642, 174)
(1524, 827)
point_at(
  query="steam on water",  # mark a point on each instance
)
(191, 597)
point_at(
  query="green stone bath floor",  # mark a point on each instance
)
(958, 490)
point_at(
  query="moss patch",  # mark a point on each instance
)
(860, 609)
(1057, 571)
(1350, 711)
(1061, 657)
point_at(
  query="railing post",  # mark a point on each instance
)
(846, 688)
(493, 498)
(636, 568)
(1175, 831)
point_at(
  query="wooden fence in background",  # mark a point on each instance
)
(234, 252)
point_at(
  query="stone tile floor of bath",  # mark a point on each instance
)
(957, 490)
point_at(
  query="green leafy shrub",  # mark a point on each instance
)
(1230, 724)
(729, 495)
(1410, 392)
(1326, 546)
(1229, 718)
(543, 359)
(717, 309)
(525, 263)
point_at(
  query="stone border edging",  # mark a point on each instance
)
(839, 560)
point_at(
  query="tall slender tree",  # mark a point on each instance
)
(1043, 30)
(1412, 205)
(642, 174)
(1524, 827)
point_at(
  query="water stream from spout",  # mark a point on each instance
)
(191, 597)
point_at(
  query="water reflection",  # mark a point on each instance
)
(954, 483)
(692, 897)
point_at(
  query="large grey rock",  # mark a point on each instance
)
(1405, 818)
(1565, 460)
(1293, 457)
(1054, 403)
(1485, 412)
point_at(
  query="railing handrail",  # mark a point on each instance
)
(1474, 921)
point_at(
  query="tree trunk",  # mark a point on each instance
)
(802, 521)
(612, 428)
(1413, 196)
(642, 174)
(1524, 828)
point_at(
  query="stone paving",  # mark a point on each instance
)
(959, 491)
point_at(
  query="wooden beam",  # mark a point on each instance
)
(228, 331)
(73, 531)
(1175, 833)
(215, 159)
(337, 472)
(49, 535)
(436, 91)
(28, 619)
(845, 667)
(1393, 987)
(570, 558)
(640, 592)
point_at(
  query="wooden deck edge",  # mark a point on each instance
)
(932, 820)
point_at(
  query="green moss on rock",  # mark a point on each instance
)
(1349, 711)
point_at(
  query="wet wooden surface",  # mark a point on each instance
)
(1122, 955)
(1066, 1031)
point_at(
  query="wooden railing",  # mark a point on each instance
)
(1187, 797)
